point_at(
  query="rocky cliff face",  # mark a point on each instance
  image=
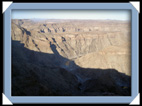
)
(73, 45)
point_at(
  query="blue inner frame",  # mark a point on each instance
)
(71, 99)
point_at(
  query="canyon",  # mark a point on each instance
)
(59, 57)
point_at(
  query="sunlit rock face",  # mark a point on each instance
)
(73, 46)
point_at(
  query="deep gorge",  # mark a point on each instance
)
(70, 57)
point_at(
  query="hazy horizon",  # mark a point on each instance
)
(123, 15)
(66, 19)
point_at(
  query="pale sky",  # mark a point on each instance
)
(72, 14)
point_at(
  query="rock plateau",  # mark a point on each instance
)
(71, 57)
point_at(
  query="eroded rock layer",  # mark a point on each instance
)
(48, 52)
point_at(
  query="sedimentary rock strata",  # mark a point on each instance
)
(50, 53)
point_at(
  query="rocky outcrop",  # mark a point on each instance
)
(32, 77)
(61, 51)
(112, 57)
(103, 82)
(74, 38)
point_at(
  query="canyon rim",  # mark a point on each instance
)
(71, 57)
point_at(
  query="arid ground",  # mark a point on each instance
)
(59, 57)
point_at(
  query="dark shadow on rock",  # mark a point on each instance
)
(49, 30)
(63, 39)
(108, 82)
(53, 48)
(20, 22)
(25, 31)
(54, 40)
(42, 31)
(43, 74)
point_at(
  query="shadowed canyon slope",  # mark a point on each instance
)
(70, 57)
